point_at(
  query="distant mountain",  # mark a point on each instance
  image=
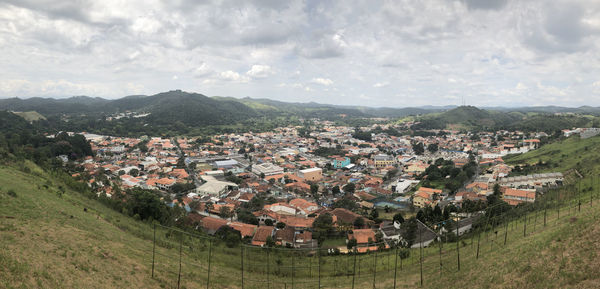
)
(473, 118)
(179, 111)
(467, 117)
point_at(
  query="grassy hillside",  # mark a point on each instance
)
(563, 156)
(30, 115)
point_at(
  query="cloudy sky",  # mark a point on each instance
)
(377, 53)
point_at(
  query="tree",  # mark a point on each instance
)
(269, 222)
(432, 148)
(335, 190)
(418, 148)
(359, 223)
(314, 189)
(246, 216)
(225, 212)
(497, 189)
(411, 231)
(351, 244)
(350, 188)
(280, 225)
(270, 242)
(374, 214)
(322, 227)
(134, 172)
(398, 218)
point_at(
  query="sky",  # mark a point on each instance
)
(374, 53)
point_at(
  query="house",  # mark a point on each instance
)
(425, 197)
(261, 235)
(383, 160)
(364, 237)
(164, 183)
(340, 162)
(210, 224)
(303, 206)
(391, 231)
(285, 236)
(345, 217)
(312, 174)
(246, 230)
(514, 197)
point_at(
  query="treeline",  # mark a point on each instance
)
(21, 140)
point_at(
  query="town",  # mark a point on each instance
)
(322, 185)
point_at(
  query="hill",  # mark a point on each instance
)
(476, 119)
(467, 118)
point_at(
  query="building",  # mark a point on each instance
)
(215, 187)
(425, 197)
(225, 164)
(340, 162)
(514, 197)
(268, 169)
(262, 234)
(383, 160)
(532, 181)
(312, 174)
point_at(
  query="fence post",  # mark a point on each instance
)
(242, 263)
(374, 268)
(354, 269)
(440, 257)
(209, 263)
(421, 254)
(153, 249)
(505, 233)
(293, 267)
(545, 207)
(319, 251)
(525, 225)
(395, 267)
(478, 240)
(268, 268)
(180, 246)
(457, 247)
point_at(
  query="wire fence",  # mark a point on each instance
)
(187, 260)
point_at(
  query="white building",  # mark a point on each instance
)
(268, 169)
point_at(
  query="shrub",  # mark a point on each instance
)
(12, 193)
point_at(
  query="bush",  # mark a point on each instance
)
(12, 193)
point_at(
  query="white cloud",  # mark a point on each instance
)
(381, 84)
(322, 81)
(260, 71)
(232, 76)
(202, 70)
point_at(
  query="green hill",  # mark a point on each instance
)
(475, 119)
(467, 118)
